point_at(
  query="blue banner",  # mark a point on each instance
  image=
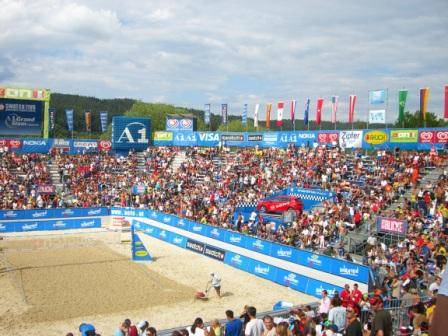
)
(36, 145)
(84, 146)
(238, 261)
(258, 245)
(183, 139)
(284, 252)
(69, 117)
(52, 118)
(139, 251)
(315, 288)
(20, 117)
(130, 133)
(292, 280)
(307, 112)
(207, 114)
(263, 270)
(103, 120)
(235, 238)
(244, 115)
(47, 225)
(377, 97)
(53, 213)
(208, 139)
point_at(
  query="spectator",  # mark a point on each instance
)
(123, 328)
(214, 329)
(233, 326)
(346, 295)
(142, 326)
(269, 326)
(282, 329)
(382, 322)
(197, 329)
(354, 327)
(325, 302)
(254, 327)
(337, 314)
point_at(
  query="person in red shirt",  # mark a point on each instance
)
(356, 294)
(345, 295)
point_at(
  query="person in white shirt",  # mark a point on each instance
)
(255, 327)
(215, 281)
(324, 305)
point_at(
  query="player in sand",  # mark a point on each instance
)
(215, 282)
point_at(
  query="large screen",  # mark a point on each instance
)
(21, 117)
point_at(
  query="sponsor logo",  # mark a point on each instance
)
(94, 212)
(39, 214)
(166, 219)
(232, 137)
(141, 253)
(10, 214)
(149, 230)
(173, 123)
(270, 137)
(314, 260)
(403, 135)
(214, 232)
(139, 129)
(349, 271)
(208, 136)
(236, 260)
(14, 120)
(306, 135)
(191, 137)
(235, 239)
(261, 270)
(284, 253)
(59, 224)
(105, 145)
(330, 291)
(442, 136)
(162, 234)
(61, 143)
(34, 142)
(375, 137)
(85, 144)
(2, 227)
(163, 136)
(426, 136)
(87, 223)
(291, 279)
(258, 244)
(178, 241)
(214, 253)
(195, 246)
(255, 137)
(181, 222)
(29, 227)
(70, 212)
(154, 214)
(186, 123)
(197, 228)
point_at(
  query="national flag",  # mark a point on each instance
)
(257, 107)
(402, 95)
(377, 97)
(351, 109)
(320, 103)
(244, 115)
(307, 111)
(280, 106)
(268, 115)
(207, 114)
(424, 94)
(293, 110)
(224, 108)
(334, 108)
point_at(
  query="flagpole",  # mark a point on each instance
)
(387, 107)
(368, 109)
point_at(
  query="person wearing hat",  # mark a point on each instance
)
(87, 329)
(215, 281)
(382, 321)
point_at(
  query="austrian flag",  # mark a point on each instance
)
(280, 106)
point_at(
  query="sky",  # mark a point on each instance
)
(191, 52)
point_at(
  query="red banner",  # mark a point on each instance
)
(434, 137)
(328, 137)
(11, 143)
(280, 106)
(46, 189)
(351, 109)
(320, 103)
(446, 102)
(104, 145)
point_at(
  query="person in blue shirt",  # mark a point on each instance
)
(233, 325)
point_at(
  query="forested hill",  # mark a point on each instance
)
(157, 113)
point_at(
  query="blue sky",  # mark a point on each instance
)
(189, 53)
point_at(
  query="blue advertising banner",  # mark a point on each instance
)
(258, 245)
(235, 238)
(238, 261)
(52, 213)
(284, 252)
(315, 288)
(84, 146)
(215, 233)
(130, 133)
(178, 240)
(69, 117)
(349, 270)
(207, 114)
(183, 139)
(292, 280)
(22, 117)
(208, 139)
(139, 251)
(103, 120)
(47, 225)
(36, 145)
(313, 260)
(263, 270)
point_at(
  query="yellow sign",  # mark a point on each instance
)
(163, 136)
(375, 137)
(141, 253)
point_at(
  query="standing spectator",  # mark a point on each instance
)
(356, 294)
(254, 327)
(269, 327)
(354, 327)
(233, 325)
(142, 326)
(382, 321)
(151, 331)
(337, 314)
(197, 328)
(324, 305)
(345, 295)
(214, 329)
(123, 329)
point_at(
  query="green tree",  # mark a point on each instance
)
(414, 120)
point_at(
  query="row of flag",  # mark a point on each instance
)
(376, 115)
(69, 115)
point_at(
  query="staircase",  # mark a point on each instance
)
(141, 161)
(54, 175)
(178, 160)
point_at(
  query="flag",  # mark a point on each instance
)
(377, 116)
(424, 94)
(257, 107)
(334, 108)
(207, 114)
(307, 111)
(280, 106)
(446, 102)
(402, 95)
(351, 109)
(320, 103)
(377, 97)
(69, 117)
(88, 119)
(293, 110)
(103, 120)
(244, 115)
(268, 115)
(52, 112)
(224, 113)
